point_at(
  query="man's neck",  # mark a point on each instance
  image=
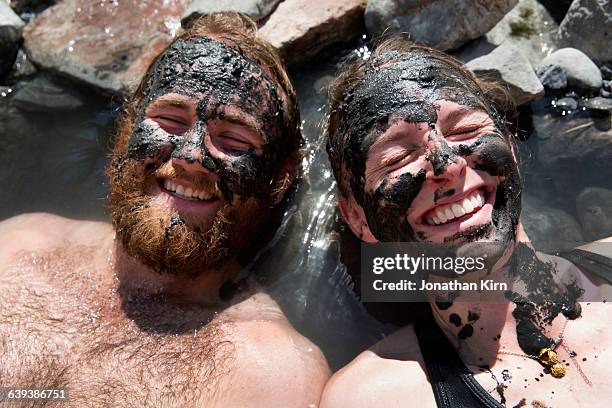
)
(135, 277)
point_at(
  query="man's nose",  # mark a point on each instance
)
(190, 153)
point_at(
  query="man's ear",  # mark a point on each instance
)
(286, 176)
(355, 218)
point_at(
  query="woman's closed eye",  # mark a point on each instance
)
(396, 158)
(464, 133)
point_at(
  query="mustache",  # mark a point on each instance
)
(200, 181)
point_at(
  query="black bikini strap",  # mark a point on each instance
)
(452, 383)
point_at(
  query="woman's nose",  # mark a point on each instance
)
(445, 163)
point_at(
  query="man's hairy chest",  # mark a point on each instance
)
(103, 351)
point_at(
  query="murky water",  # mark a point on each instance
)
(55, 138)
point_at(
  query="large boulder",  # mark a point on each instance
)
(442, 24)
(550, 229)
(43, 94)
(300, 29)
(106, 44)
(569, 67)
(588, 27)
(10, 35)
(506, 63)
(594, 208)
(256, 9)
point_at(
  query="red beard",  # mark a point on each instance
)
(163, 239)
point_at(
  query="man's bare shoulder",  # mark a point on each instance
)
(277, 366)
(389, 374)
(41, 231)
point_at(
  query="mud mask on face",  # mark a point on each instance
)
(407, 86)
(217, 76)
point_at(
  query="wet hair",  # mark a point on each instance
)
(388, 51)
(238, 32)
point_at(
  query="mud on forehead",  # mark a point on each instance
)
(201, 66)
(400, 85)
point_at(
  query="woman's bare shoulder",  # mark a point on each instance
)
(391, 373)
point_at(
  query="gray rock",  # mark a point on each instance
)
(42, 94)
(549, 229)
(21, 6)
(568, 104)
(10, 34)
(256, 9)
(22, 67)
(442, 24)
(569, 67)
(606, 72)
(530, 27)
(569, 141)
(507, 63)
(552, 76)
(8, 16)
(594, 209)
(605, 94)
(588, 27)
(607, 85)
(599, 104)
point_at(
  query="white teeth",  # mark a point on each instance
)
(457, 210)
(449, 212)
(188, 192)
(475, 200)
(441, 216)
(467, 205)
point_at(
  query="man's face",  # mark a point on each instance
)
(433, 163)
(199, 171)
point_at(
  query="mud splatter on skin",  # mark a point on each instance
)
(445, 303)
(473, 316)
(406, 86)
(217, 76)
(543, 301)
(466, 331)
(386, 207)
(455, 319)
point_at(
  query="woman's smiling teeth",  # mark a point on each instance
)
(448, 212)
(186, 193)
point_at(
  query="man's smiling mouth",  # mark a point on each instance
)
(185, 191)
(459, 210)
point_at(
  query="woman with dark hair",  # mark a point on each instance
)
(422, 153)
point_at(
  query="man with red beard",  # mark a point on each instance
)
(156, 310)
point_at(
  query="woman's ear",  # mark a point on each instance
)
(355, 218)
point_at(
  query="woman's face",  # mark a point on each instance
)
(446, 176)
(434, 166)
